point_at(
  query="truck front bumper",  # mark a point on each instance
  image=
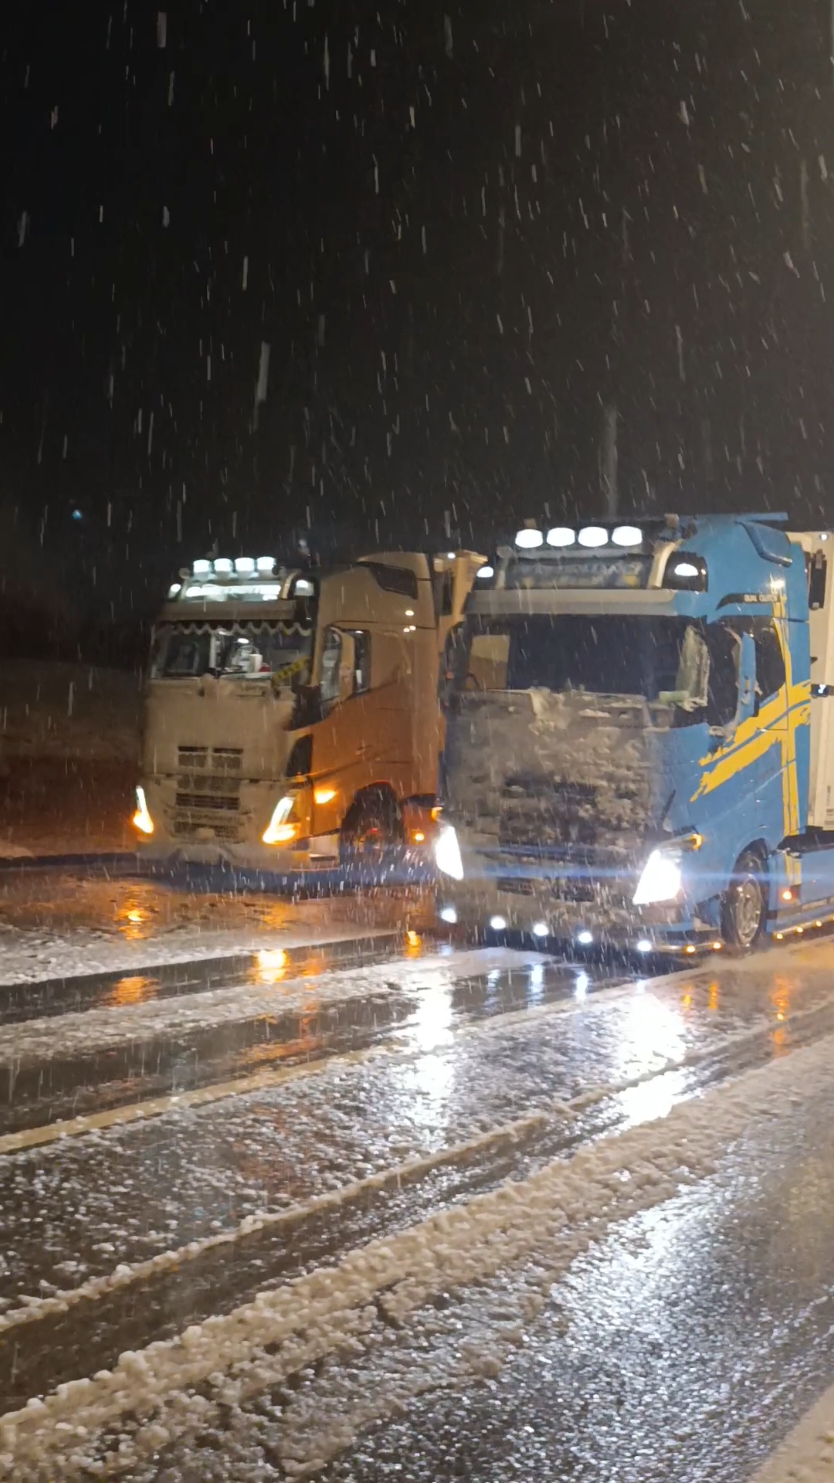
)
(226, 835)
(608, 919)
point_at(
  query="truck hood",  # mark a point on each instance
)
(223, 718)
(530, 768)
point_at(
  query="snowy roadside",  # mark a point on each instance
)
(64, 926)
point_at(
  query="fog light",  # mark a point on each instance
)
(142, 819)
(417, 836)
(585, 937)
(541, 929)
(448, 914)
(498, 924)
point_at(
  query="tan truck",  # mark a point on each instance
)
(292, 717)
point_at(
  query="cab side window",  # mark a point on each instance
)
(331, 662)
(770, 662)
(362, 663)
(331, 656)
(725, 664)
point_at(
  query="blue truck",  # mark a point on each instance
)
(640, 736)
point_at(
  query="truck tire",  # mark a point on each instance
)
(744, 908)
(372, 827)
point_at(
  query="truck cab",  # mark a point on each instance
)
(292, 716)
(629, 745)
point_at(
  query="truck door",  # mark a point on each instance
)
(776, 763)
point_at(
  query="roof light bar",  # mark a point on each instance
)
(627, 535)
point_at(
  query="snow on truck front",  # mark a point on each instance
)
(231, 649)
(599, 781)
(292, 719)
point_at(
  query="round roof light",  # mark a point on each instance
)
(224, 565)
(561, 535)
(627, 535)
(245, 565)
(529, 539)
(686, 569)
(202, 568)
(593, 535)
(266, 564)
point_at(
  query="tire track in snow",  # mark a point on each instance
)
(528, 1231)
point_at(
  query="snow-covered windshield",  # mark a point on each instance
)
(662, 659)
(242, 650)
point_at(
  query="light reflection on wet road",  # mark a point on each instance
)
(410, 1056)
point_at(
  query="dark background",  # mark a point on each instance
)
(462, 228)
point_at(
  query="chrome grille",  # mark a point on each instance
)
(208, 785)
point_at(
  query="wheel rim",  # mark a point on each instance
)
(747, 910)
(369, 842)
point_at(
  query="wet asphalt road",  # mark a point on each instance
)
(413, 1077)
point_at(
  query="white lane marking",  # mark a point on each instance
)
(529, 1231)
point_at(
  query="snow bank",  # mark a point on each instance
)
(528, 1231)
(62, 926)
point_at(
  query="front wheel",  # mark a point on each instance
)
(372, 827)
(744, 909)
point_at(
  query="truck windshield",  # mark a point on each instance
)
(663, 660)
(239, 650)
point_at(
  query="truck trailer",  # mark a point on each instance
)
(292, 717)
(640, 736)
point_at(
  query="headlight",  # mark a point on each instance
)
(661, 879)
(447, 853)
(278, 831)
(142, 819)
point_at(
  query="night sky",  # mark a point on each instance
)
(457, 231)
